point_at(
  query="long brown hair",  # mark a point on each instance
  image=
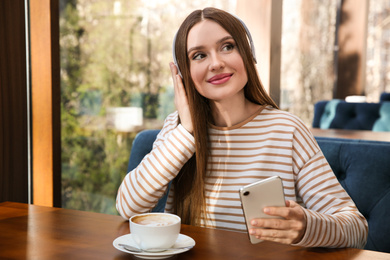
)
(189, 196)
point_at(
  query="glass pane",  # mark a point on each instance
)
(115, 81)
(378, 49)
(308, 34)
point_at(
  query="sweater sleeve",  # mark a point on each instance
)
(333, 219)
(141, 188)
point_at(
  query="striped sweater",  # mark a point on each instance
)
(271, 142)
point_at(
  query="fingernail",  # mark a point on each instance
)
(254, 222)
(266, 210)
(252, 232)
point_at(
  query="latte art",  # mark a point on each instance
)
(154, 220)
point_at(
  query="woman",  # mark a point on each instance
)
(226, 133)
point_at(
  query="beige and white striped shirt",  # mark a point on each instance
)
(271, 142)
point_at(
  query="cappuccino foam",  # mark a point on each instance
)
(154, 220)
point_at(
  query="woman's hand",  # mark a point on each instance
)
(289, 230)
(181, 101)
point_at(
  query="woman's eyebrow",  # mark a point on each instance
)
(229, 37)
(195, 48)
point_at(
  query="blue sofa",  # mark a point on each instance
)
(362, 167)
(385, 96)
(358, 116)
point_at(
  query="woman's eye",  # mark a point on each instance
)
(198, 56)
(228, 47)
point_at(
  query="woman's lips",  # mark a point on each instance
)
(220, 78)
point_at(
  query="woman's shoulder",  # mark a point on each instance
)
(172, 117)
(170, 122)
(285, 121)
(279, 115)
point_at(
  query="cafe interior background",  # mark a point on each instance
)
(76, 86)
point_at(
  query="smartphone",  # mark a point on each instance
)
(254, 197)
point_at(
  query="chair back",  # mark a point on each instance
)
(362, 168)
(338, 114)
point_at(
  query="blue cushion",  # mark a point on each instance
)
(382, 124)
(385, 97)
(319, 109)
(360, 116)
(329, 113)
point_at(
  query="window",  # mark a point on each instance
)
(115, 78)
(378, 50)
(308, 34)
(115, 81)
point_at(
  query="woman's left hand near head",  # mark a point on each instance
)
(181, 100)
(289, 230)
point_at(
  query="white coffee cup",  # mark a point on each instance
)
(155, 230)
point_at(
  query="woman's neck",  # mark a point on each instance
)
(229, 113)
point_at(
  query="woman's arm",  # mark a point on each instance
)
(332, 217)
(327, 217)
(141, 188)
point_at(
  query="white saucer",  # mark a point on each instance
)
(181, 241)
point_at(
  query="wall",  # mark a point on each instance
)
(13, 103)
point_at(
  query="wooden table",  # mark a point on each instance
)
(35, 232)
(352, 134)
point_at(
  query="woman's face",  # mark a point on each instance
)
(216, 66)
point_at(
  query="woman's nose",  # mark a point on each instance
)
(216, 62)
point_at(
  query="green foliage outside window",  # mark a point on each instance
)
(103, 64)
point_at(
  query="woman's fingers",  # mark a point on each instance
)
(278, 230)
(290, 228)
(181, 101)
(276, 235)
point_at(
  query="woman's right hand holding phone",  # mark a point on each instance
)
(181, 100)
(288, 230)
